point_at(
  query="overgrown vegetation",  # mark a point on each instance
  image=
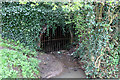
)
(29, 22)
(97, 30)
(15, 62)
(95, 24)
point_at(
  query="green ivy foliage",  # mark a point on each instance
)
(15, 62)
(25, 22)
(96, 26)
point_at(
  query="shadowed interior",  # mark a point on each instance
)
(57, 41)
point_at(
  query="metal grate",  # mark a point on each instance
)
(55, 42)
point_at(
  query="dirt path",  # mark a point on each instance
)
(59, 64)
(49, 66)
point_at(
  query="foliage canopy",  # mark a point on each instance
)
(95, 24)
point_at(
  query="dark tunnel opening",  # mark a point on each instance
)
(57, 41)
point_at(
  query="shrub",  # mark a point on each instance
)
(95, 24)
(25, 22)
(97, 33)
(15, 62)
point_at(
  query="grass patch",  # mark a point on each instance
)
(17, 61)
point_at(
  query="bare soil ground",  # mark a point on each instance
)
(57, 63)
(49, 66)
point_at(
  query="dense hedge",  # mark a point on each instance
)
(95, 24)
(98, 37)
(25, 23)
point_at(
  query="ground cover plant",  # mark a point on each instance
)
(95, 25)
(15, 62)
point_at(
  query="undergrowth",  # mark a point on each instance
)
(96, 30)
(15, 62)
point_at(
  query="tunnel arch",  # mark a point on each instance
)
(57, 41)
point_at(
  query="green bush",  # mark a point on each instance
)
(96, 26)
(25, 22)
(15, 62)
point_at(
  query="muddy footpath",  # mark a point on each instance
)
(59, 64)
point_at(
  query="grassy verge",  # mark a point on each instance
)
(17, 61)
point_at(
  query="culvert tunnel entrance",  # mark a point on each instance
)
(57, 41)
